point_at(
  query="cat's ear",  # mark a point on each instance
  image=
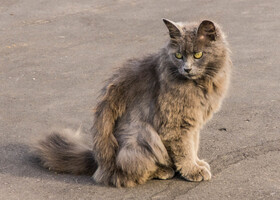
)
(174, 30)
(206, 31)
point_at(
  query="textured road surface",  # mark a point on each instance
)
(55, 55)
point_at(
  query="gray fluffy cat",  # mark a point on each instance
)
(148, 119)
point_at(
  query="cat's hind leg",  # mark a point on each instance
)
(140, 155)
(164, 173)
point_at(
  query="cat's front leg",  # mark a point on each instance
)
(184, 155)
(200, 162)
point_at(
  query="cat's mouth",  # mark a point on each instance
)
(190, 76)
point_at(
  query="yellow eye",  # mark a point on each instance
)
(198, 55)
(178, 55)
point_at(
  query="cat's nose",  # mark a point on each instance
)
(187, 70)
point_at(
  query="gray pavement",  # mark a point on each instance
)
(55, 56)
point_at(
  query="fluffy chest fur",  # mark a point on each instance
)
(190, 104)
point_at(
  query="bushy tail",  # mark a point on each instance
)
(65, 152)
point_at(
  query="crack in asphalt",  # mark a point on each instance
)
(218, 164)
(168, 191)
(222, 162)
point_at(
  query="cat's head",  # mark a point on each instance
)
(195, 50)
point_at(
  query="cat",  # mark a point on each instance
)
(147, 122)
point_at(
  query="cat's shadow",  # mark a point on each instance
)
(17, 160)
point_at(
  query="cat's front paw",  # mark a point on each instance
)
(203, 163)
(197, 173)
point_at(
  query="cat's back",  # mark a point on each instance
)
(139, 80)
(139, 76)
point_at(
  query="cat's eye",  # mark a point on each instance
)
(198, 55)
(178, 55)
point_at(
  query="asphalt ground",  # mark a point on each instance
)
(55, 56)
